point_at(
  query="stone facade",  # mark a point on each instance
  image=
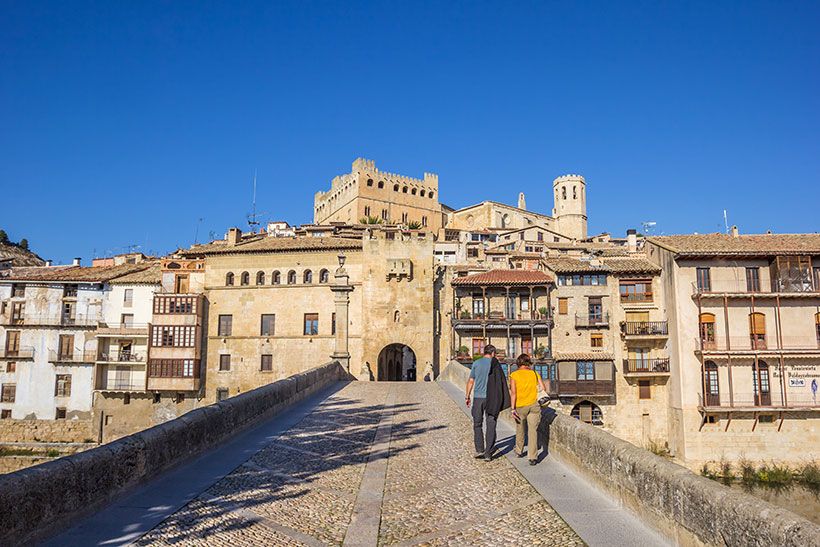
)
(53, 431)
(368, 192)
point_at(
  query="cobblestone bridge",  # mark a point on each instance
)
(372, 463)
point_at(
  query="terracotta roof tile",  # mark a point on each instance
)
(614, 265)
(152, 275)
(504, 278)
(753, 244)
(70, 274)
(266, 244)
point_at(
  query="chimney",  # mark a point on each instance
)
(632, 240)
(234, 235)
(76, 261)
(48, 263)
(735, 233)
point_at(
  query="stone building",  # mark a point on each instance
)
(49, 318)
(393, 199)
(744, 345)
(276, 306)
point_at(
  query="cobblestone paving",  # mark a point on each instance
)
(301, 489)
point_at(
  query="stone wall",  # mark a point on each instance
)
(687, 508)
(47, 431)
(86, 481)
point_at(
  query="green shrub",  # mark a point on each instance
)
(52, 453)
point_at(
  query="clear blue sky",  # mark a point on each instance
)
(124, 123)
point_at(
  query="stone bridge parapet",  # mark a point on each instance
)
(41, 499)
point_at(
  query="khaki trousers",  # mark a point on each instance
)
(530, 418)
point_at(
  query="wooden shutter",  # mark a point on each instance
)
(757, 323)
(563, 305)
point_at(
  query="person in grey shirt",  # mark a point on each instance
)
(477, 387)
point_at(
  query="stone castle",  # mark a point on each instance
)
(705, 346)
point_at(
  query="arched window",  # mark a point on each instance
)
(422, 193)
(245, 279)
(431, 195)
(307, 277)
(395, 187)
(763, 396)
(817, 326)
(574, 192)
(260, 278)
(707, 330)
(291, 278)
(276, 278)
(757, 330)
(367, 210)
(564, 192)
(588, 412)
(324, 276)
(710, 384)
(396, 316)
(229, 279)
(413, 191)
(404, 218)
(381, 184)
(370, 182)
(404, 190)
(424, 220)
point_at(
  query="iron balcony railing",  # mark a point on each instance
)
(741, 286)
(767, 399)
(592, 320)
(646, 365)
(500, 316)
(17, 353)
(76, 356)
(53, 320)
(636, 297)
(645, 328)
(128, 384)
(122, 357)
(758, 343)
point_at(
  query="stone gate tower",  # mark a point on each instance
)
(570, 210)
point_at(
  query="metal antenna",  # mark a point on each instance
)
(253, 216)
(647, 226)
(196, 234)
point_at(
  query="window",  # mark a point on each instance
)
(384, 214)
(430, 195)
(333, 323)
(588, 412)
(478, 308)
(763, 396)
(224, 362)
(596, 308)
(707, 330)
(472, 252)
(817, 326)
(370, 182)
(60, 414)
(563, 192)
(127, 320)
(404, 190)
(757, 330)
(70, 291)
(596, 340)
(18, 312)
(404, 218)
(413, 191)
(172, 368)
(65, 348)
(582, 279)
(395, 187)
(367, 211)
(5, 414)
(221, 394)
(8, 393)
(166, 305)
(324, 276)
(12, 343)
(478, 346)
(710, 384)
(229, 279)
(18, 290)
(540, 236)
(181, 284)
(225, 327)
(245, 278)
(311, 324)
(424, 220)
(173, 336)
(276, 278)
(636, 290)
(585, 370)
(563, 306)
(62, 385)
(268, 325)
(704, 278)
(11, 366)
(644, 389)
(792, 274)
(766, 418)
(260, 278)
(128, 298)
(267, 363)
(817, 278)
(69, 312)
(291, 277)
(307, 277)
(753, 279)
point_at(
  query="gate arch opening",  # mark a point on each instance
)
(397, 362)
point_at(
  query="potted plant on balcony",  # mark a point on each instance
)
(464, 314)
(540, 352)
(463, 352)
(543, 311)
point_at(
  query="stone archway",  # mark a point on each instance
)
(397, 362)
(588, 412)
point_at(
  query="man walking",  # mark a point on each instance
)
(477, 386)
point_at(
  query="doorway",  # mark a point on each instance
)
(397, 363)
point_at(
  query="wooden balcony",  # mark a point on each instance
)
(742, 289)
(16, 354)
(748, 345)
(757, 402)
(573, 388)
(644, 329)
(173, 375)
(637, 298)
(646, 367)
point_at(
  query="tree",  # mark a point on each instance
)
(4, 237)
(414, 225)
(23, 244)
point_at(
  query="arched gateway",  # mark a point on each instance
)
(397, 362)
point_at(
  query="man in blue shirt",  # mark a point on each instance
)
(477, 386)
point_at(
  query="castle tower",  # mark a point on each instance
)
(570, 210)
(522, 201)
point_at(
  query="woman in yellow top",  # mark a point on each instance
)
(524, 384)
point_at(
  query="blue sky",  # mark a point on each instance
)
(124, 123)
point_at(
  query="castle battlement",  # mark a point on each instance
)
(369, 167)
(569, 178)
